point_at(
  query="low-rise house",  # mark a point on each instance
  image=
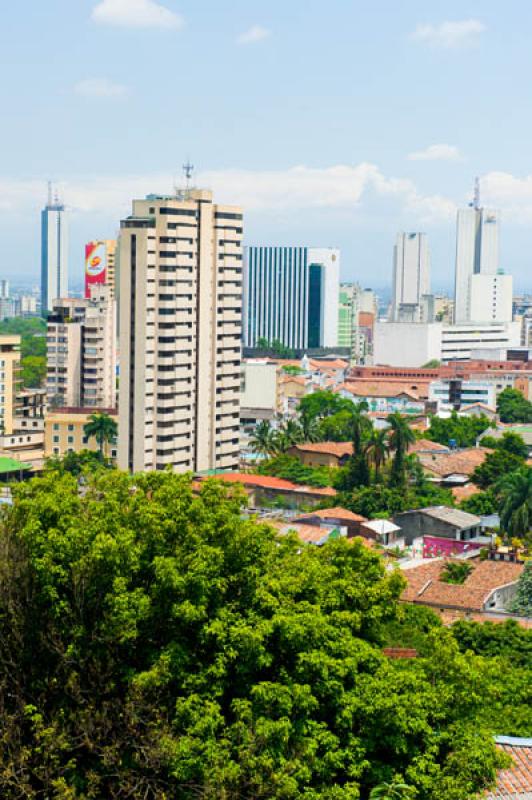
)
(336, 517)
(455, 467)
(386, 533)
(322, 454)
(444, 530)
(515, 782)
(479, 410)
(64, 431)
(312, 534)
(383, 397)
(488, 589)
(265, 489)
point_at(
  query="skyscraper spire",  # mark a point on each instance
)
(476, 194)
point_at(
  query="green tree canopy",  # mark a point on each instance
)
(509, 441)
(156, 644)
(323, 403)
(463, 430)
(513, 406)
(495, 465)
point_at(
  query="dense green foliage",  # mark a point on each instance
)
(159, 645)
(379, 501)
(509, 441)
(455, 572)
(481, 504)
(515, 502)
(522, 603)
(463, 430)
(495, 465)
(291, 469)
(78, 463)
(512, 406)
(276, 347)
(32, 347)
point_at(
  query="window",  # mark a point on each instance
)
(56, 426)
(70, 427)
(56, 439)
(70, 440)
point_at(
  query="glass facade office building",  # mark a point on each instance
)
(291, 296)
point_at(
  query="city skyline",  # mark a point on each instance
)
(394, 146)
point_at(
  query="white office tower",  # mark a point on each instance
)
(180, 298)
(477, 253)
(54, 253)
(411, 279)
(4, 290)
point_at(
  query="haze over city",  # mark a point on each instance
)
(334, 124)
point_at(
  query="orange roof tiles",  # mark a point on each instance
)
(337, 513)
(338, 449)
(425, 586)
(379, 389)
(515, 782)
(461, 493)
(269, 482)
(463, 462)
(426, 445)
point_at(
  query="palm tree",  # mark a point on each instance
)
(357, 467)
(263, 440)
(377, 449)
(515, 491)
(310, 429)
(103, 428)
(401, 437)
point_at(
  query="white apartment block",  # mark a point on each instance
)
(81, 351)
(180, 305)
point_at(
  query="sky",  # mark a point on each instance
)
(332, 124)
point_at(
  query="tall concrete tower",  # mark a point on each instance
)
(54, 252)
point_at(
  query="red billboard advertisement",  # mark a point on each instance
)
(95, 264)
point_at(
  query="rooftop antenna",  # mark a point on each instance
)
(50, 193)
(476, 195)
(188, 170)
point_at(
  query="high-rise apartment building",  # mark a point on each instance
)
(477, 253)
(411, 279)
(4, 290)
(9, 379)
(291, 295)
(350, 333)
(81, 351)
(100, 265)
(54, 253)
(180, 309)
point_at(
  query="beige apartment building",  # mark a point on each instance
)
(81, 351)
(9, 379)
(180, 308)
(64, 432)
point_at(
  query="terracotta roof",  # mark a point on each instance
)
(299, 379)
(269, 482)
(464, 492)
(379, 389)
(479, 405)
(448, 617)
(311, 534)
(336, 513)
(514, 783)
(399, 652)
(338, 449)
(427, 446)
(462, 462)
(425, 586)
(336, 363)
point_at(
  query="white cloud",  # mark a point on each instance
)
(362, 187)
(100, 88)
(254, 34)
(437, 152)
(449, 34)
(136, 14)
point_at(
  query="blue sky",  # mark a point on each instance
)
(335, 123)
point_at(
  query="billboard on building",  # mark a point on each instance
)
(95, 264)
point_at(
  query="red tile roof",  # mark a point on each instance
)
(514, 783)
(464, 492)
(426, 588)
(338, 449)
(463, 462)
(427, 446)
(399, 652)
(336, 513)
(379, 389)
(269, 482)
